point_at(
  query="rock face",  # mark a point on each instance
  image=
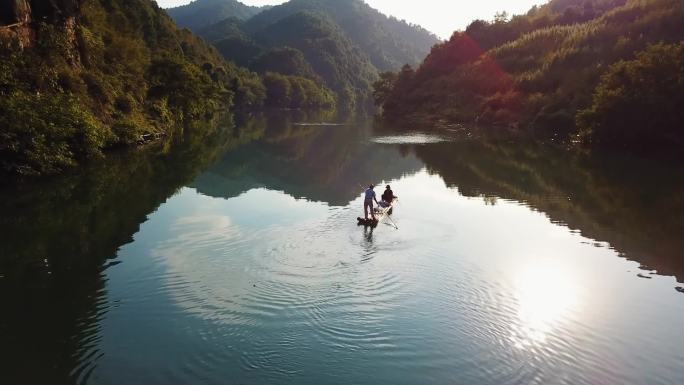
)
(54, 10)
(18, 18)
(14, 12)
(23, 11)
(15, 18)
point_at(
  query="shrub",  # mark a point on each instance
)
(126, 132)
(124, 103)
(42, 134)
(69, 82)
(97, 88)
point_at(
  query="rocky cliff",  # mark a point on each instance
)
(23, 11)
(53, 10)
(18, 18)
(79, 78)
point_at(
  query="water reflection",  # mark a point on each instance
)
(546, 295)
(368, 247)
(411, 138)
(318, 163)
(61, 237)
(632, 204)
(236, 255)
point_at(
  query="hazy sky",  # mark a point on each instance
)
(439, 16)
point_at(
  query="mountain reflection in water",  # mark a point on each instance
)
(235, 255)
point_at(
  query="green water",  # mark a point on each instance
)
(235, 258)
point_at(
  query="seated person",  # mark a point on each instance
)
(387, 197)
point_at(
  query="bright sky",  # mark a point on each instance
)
(439, 16)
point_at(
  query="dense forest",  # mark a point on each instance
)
(600, 72)
(206, 12)
(79, 77)
(339, 44)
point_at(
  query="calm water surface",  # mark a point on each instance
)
(235, 259)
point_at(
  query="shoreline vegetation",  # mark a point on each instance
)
(80, 78)
(594, 73)
(90, 76)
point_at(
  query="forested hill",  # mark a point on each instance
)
(202, 13)
(388, 42)
(603, 72)
(343, 43)
(78, 77)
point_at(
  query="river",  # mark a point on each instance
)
(235, 258)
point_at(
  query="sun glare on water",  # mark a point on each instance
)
(546, 295)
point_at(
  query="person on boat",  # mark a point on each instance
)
(388, 197)
(369, 197)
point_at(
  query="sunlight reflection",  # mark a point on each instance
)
(546, 294)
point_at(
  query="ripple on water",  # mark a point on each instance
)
(241, 281)
(272, 299)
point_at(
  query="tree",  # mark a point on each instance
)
(639, 102)
(382, 88)
(183, 85)
(278, 90)
(501, 17)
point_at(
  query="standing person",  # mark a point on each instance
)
(369, 197)
(388, 196)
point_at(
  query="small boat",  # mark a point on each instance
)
(380, 214)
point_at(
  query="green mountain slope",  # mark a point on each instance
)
(202, 13)
(331, 55)
(553, 71)
(339, 43)
(84, 76)
(304, 44)
(388, 42)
